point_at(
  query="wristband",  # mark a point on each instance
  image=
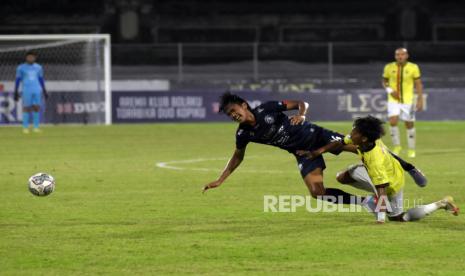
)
(348, 139)
(389, 90)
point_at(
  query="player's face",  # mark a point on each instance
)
(357, 137)
(30, 59)
(401, 56)
(237, 112)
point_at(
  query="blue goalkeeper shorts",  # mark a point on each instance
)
(31, 98)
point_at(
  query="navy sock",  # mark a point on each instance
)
(405, 165)
(342, 197)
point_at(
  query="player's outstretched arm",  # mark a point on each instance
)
(233, 163)
(333, 146)
(297, 105)
(350, 148)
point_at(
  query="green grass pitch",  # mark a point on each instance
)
(114, 212)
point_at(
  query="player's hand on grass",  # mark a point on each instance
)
(297, 119)
(211, 185)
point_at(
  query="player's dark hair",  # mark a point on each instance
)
(31, 53)
(370, 127)
(228, 98)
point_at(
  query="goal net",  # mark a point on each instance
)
(77, 73)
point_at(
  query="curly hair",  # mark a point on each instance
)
(370, 127)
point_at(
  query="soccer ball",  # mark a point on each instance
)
(41, 184)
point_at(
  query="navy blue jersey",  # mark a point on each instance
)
(273, 127)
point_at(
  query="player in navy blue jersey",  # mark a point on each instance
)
(31, 75)
(267, 124)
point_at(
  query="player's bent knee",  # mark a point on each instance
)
(340, 177)
(314, 182)
(393, 120)
(344, 177)
(317, 189)
(409, 125)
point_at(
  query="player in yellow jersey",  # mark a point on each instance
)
(400, 79)
(382, 173)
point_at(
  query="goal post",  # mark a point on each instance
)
(77, 73)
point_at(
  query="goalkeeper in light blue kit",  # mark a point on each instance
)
(31, 76)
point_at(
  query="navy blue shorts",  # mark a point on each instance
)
(323, 137)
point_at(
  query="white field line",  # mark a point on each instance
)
(172, 165)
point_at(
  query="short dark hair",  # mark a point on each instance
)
(31, 53)
(228, 98)
(370, 127)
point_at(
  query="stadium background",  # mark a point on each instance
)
(330, 53)
(128, 196)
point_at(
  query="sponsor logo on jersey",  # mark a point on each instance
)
(269, 119)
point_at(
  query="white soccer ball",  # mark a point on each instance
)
(41, 184)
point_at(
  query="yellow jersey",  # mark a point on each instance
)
(402, 78)
(382, 167)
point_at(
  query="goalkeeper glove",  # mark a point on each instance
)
(16, 96)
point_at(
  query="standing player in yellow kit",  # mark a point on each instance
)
(400, 79)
